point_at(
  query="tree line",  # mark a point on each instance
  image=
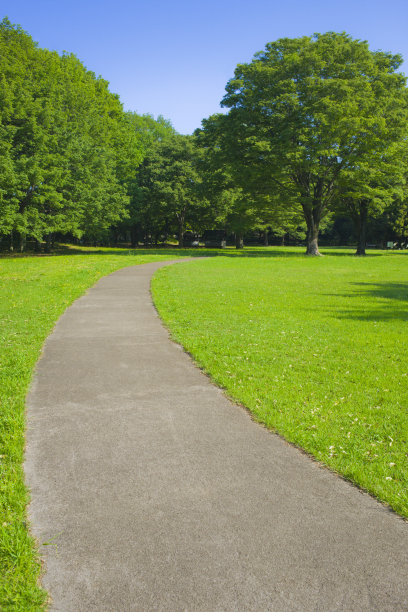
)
(314, 139)
(68, 151)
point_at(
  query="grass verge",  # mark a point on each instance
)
(315, 347)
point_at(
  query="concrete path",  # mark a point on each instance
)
(156, 493)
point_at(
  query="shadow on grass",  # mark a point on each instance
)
(386, 307)
(175, 251)
(172, 252)
(186, 252)
(390, 291)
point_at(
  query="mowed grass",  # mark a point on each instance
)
(34, 292)
(316, 348)
(283, 304)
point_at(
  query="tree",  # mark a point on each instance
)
(227, 176)
(305, 111)
(166, 192)
(369, 188)
(230, 207)
(399, 220)
(67, 149)
(140, 221)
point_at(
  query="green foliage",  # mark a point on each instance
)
(149, 130)
(306, 111)
(321, 363)
(316, 124)
(67, 149)
(166, 195)
(371, 187)
(234, 206)
(399, 219)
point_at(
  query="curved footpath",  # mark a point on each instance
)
(156, 493)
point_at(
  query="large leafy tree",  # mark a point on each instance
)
(142, 217)
(67, 149)
(307, 110)
(167, 190)
(371, 187)
(230, 207)
(227, 178)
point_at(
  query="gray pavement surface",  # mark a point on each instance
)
(156, 493)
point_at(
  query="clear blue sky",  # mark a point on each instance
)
(175, 57)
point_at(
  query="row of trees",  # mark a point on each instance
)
(316, 126)
(316, 129)
(61, 130)
(68, 151)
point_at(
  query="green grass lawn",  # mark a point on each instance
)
(316, 348)
(34, 292)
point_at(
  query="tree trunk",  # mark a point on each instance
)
(239, 241)
(312, 237)
(11, 247)
(313, 211)
(362, 228)
(283, 240)
(134, 236)
(266, 238)
(49, 242)
(23, 240)
(180, 234)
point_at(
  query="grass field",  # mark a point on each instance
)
(316, 348)
(34, 291)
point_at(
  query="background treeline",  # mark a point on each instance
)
(68, 151)
(314, 143)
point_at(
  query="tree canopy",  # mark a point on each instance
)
(316, 130)
(307, 110)
(67, 148)
(167, 193)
